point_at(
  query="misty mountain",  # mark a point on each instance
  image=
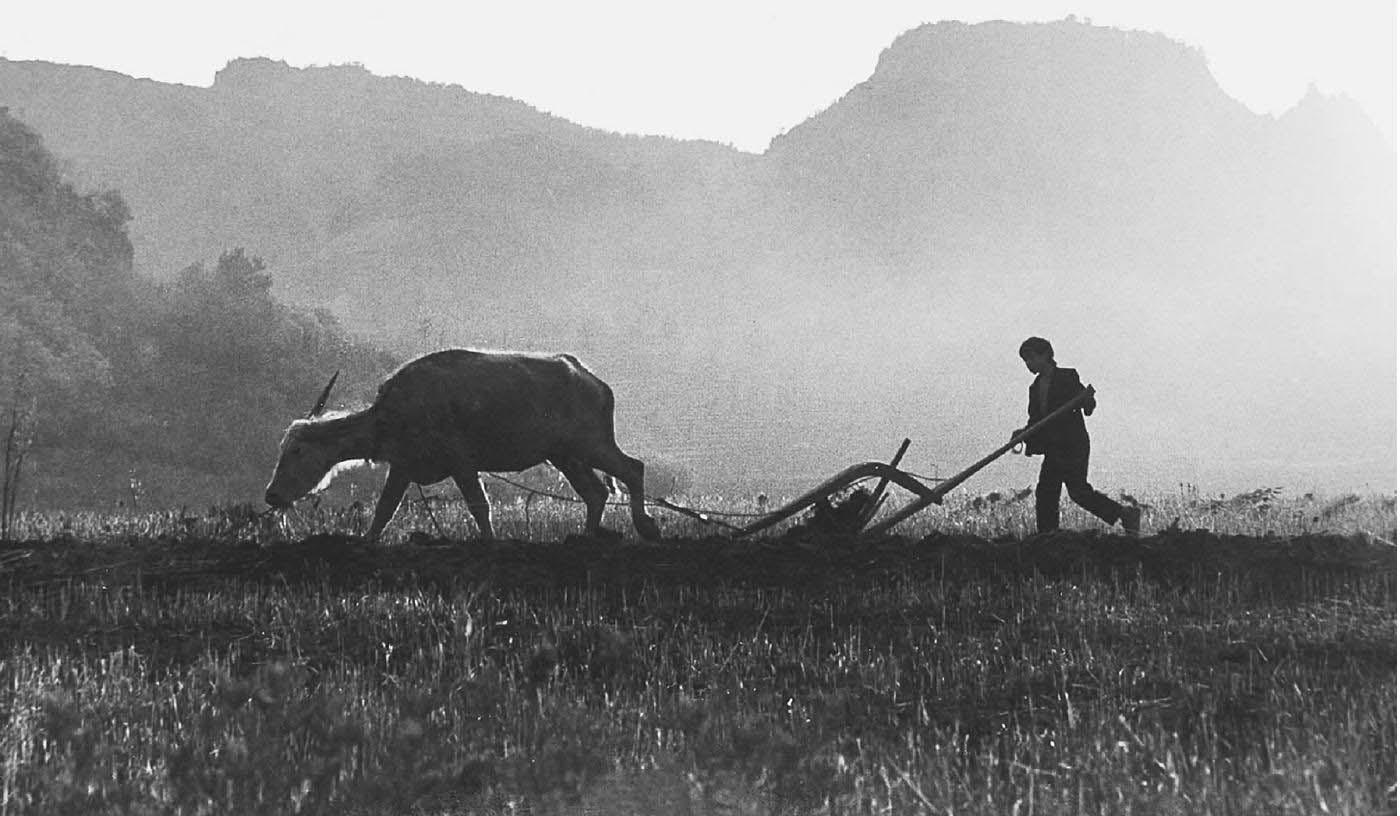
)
(1226, 279)
(115, 388)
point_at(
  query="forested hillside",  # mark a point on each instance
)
(118, 388)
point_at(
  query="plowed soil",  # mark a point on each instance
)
(794, 561)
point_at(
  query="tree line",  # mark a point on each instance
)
(119, 389)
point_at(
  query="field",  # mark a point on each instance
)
(1239, 658)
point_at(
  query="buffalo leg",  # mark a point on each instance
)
(589, 488)
(389, 498)
(629, 471)
(477, 503)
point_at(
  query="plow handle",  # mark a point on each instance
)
(935, 496)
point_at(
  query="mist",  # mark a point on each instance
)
(1225, 280)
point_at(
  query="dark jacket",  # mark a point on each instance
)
(1066, 435)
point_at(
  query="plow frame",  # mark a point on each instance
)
(924, 495)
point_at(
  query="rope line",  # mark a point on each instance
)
(423, 498)
(701, 515)
(706, 516)
(652, 500)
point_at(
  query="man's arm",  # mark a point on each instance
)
(1031, 402)
(1089, 404)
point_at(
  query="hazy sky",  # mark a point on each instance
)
(734, 72)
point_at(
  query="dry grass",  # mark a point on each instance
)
(228, 664)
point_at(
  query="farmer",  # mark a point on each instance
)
(1064, 443)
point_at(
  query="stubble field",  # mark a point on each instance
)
(1239, 658)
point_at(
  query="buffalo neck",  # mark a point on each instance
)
(351, 436)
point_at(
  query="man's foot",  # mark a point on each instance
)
(1131, 519)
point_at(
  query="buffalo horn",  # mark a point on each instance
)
(325, 395)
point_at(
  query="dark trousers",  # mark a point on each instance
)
(1072, 471)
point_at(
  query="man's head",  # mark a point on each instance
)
(1038, 355)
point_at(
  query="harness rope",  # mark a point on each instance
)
(423, 498)
(704, 516)
(699, 515)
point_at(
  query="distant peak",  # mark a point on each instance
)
(1315, 98)
(1337, 113)
(953, 48)
(246, 70)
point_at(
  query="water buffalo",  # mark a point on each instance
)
(455, 413)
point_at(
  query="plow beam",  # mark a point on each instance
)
(935, 495)
(851, 474)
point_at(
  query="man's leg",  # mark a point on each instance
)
(1047, 496)
(1075, 472)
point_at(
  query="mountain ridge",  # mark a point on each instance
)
(1066, 179)
(411, 116)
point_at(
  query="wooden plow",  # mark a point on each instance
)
(890, 473)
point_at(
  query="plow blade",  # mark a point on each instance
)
(851, 474)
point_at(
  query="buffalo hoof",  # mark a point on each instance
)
(647, 529)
